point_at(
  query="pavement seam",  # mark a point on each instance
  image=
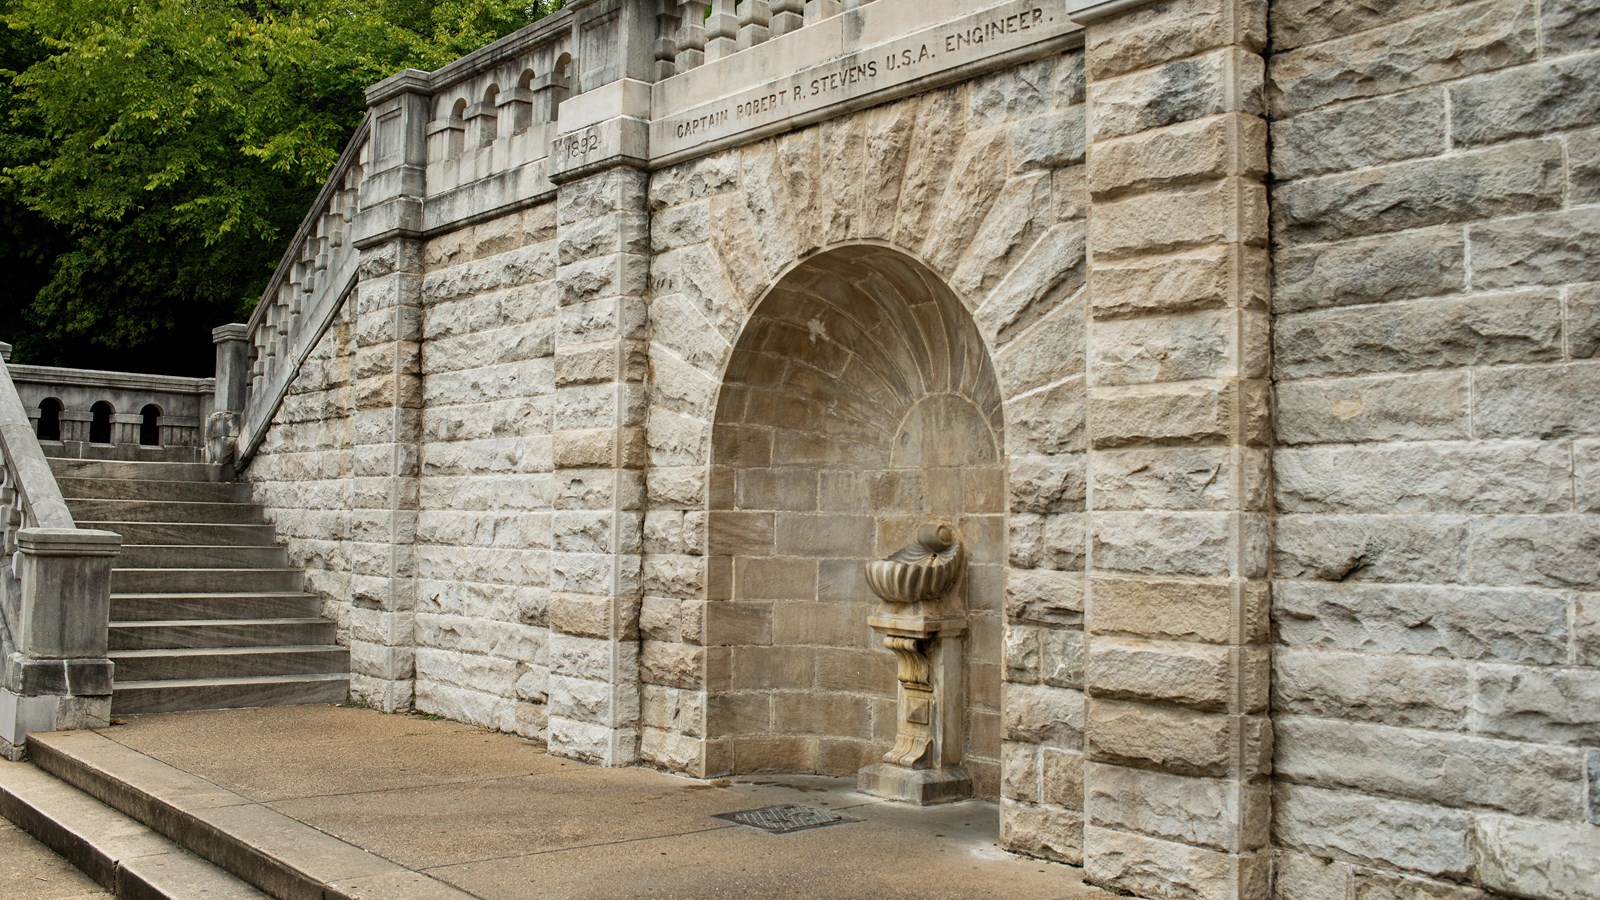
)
(632, 840)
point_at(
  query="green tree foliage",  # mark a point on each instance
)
(158, 154)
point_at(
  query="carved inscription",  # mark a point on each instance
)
(943, 47)
(580, 144)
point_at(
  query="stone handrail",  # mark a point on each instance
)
(305, 293)
(55, 594)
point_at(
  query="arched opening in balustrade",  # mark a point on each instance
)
(49, 419)
(489, 119)
(150, 426)
(859, 402)
(100, 422)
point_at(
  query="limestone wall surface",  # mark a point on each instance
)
(1436, 674)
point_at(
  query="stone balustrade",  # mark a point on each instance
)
(120, 415)
(55, 589)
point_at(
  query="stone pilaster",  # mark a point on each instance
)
(1177, 799)
(603, 231)
(386, 377)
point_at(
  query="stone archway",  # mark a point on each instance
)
(859, 402)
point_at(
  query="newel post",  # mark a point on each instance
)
(233, 381)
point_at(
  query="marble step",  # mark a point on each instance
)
(136, 666)
(140, 471)
(99, 510)
(263, 605)
(176, 695)
(190, 533)
(191, 556)
(165, 634)
(225, 580)
(129, 489)
(124, 856)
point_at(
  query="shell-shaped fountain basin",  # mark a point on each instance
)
(922, 570)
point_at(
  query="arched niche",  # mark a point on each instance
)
(100, 422)
(49, 419)
(858, 402)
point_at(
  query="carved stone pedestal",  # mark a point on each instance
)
(923, 625)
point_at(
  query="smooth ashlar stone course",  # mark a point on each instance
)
(1448, 769)
(1381, 831)
(1478, 37)
(1528, 100)
(1500, 181)
(1514, 625)
(1357, 135)
(1425, 262)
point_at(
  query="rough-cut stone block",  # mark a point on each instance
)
(1413, 51)
(1163, 543)
(1146, 866)
(1200, 676)
(1530, 858)
(1370, 829)
(1370, 548)
(1181, 610)
(1204, 278)
(1528, 100)
(1463, 477)
(1181, 478)
(1061, 657)
(1552, 248)
(1540, 704)
(1044, 831)
(1044, 596)
(1450, 770)
(1298, 22)
(1179, 348)
(1215, 147)
(1049, 141)
(1500, 181)
(1429, 406)
(1180, 741)
(1226, 211)
(1586, 638)
(1043, 715)
(1583, 320)
(1228, 80)
(1190, 412)
(1061, 777)
(1221, 814)
(1047, 422)
(1460, 622)
(1544, 402)
(1300, 877)
(1426, 262)
(1357, 135)
(1157, 33)
(1556, 551)
(1393, 690)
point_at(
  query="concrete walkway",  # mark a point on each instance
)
(29, 871)
(496, 817)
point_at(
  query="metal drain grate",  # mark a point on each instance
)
(784, 818)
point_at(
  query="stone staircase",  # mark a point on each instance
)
(205, 611)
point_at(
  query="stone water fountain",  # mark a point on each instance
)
(922, 620)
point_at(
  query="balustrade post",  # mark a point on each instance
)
(787, 16)
(722, 29)
(233, 381)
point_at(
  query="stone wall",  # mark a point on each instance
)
(1437, 661)
(302, 473)
(483, 523)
